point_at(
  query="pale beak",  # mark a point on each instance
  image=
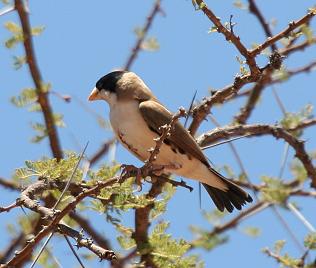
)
(94, 95)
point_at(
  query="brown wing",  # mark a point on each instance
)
(157, 115)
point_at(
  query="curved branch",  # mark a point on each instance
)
(258, 130)
(38, 81)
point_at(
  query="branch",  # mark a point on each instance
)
(253, 8)
(9, 184)
(101, 152)
(38, 81)
(292, 26)
(103, 254)
(259, 206)
(299, 47)
(254, 96)
(142, 224)
(230, 36)
(140, 40)
(258, 130)
(46, 230)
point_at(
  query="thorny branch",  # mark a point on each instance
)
(103, 254)
(202, 110)
(261, 77)
(253, 8)
(261, 129)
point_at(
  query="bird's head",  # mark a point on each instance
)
(120, 85)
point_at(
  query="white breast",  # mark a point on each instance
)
(131, 129)
(135, 135)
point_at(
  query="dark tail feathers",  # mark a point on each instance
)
(233, 197)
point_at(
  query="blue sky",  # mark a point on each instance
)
(84, 40)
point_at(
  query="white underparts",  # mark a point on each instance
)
(134, 134)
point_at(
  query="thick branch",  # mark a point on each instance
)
(38, 81)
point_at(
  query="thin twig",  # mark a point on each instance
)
(73, 251)
(41, 250)
(292, 26)
(253, 8)
(140, 40)
(301, 217)
(71, 177)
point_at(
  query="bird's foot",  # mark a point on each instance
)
(131, 170)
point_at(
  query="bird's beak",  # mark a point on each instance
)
(94, 95)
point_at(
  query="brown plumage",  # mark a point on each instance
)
(136, 116)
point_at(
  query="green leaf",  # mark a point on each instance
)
(168, 252)
(239, 4)
(150, 44)
(207, 241)
(279, 245)
(213, 29)
(252, 231)
(13, 27)
(274, 190)
(37, 30)
(18, 61)
(310, 241)
(26, 97)
(12, 41)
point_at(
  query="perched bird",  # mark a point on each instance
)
(136, 117)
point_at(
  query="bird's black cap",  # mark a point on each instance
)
(108, 82)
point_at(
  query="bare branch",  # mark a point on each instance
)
(292, 26)
(253, 8)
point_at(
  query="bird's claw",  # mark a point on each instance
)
(130, 170)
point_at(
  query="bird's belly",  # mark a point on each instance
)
(135, 135)
(132, 131)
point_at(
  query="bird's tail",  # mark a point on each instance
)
(229, 198)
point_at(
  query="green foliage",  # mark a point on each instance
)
(213, 29)
(274, 191)
(168, 252)
(18, 61)
(48, 259)
(151, 44)
(160, 205)
(310, 241)
(206, 240)
(26, 97)
(292, 120)
(298, 170)
(125, 239)
(308, 33)
(252, 231)
(284, 260)
(239, 4)
(51, 169)
(17, 33)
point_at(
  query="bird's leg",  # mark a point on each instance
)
(131, 170)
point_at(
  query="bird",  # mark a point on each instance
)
(136, 116)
